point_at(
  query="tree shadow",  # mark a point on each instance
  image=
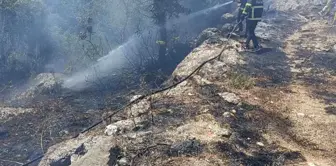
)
(328, 97)
(269, 67)
(321, 68)
(264, 157)
(325, 60)
(331, 110)
(247, 145)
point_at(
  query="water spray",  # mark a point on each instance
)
(116, 59)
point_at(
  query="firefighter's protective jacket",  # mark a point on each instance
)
(254, 9)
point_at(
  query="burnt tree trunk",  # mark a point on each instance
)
(160, 16)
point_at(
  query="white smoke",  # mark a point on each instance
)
(188, 26)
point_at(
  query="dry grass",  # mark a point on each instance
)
(240, 81)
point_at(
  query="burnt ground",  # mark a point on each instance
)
(54, 119)
(286, 118)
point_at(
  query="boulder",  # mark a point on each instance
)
(227, 114)
(123, 162)
(48, 82)
(111, 130)
(130, 124)
(228, 18)
(224, 132)
(334, 48)
(226, 28)
(195, 58)
(84, 150)
(207, 34)
(260, 144)
(140, 108)
(43, 84)
(230, 97)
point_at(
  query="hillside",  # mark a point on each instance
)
(276, 108)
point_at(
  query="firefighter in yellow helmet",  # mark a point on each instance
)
(253, 12)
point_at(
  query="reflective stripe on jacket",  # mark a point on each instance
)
(254, 9)
(242, 4)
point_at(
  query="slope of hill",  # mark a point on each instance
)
(275, 108)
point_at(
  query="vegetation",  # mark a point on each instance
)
(241, 81)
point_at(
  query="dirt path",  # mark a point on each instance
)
(298, 81)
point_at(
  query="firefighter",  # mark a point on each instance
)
(253, 12)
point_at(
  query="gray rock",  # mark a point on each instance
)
(227, 28)
(214, 40)
(130, 124)
(44, 83)
(225, 132)
(135, 97)
(84, 150)
(123, 162)
(230, 97)
(140, 108)
(207, 34)
(47, 81)
(228, 18)
(227, 114)
(111, 130)
(260, 144)
(62, 161)
(334, 48)
(203, 53)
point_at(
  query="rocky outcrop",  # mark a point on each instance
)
(75, 152)
(228, 18)
(210, 33)
(230, 56)
(135, 127)
(230, 97)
